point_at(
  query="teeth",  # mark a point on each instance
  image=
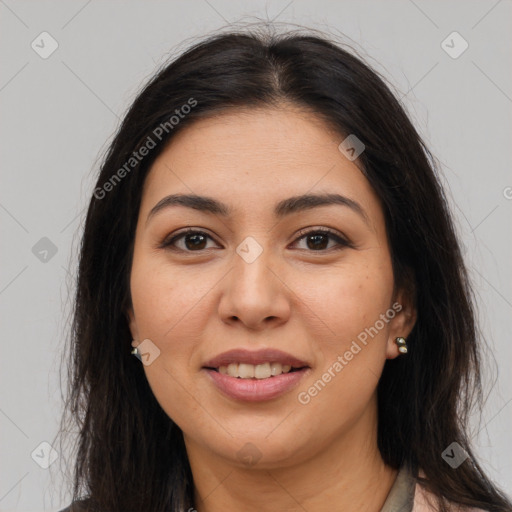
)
(276, 369)
(258, 371)
(262, 371)
(246, 371)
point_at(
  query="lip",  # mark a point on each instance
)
(256, 390)
(261, 356)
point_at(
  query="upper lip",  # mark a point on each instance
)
(254, 357)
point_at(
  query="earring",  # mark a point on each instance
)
(402, 345)
(135, 350)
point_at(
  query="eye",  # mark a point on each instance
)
(190, 240)
(318, 239)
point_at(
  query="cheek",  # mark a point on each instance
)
(167, 302)
(171, 309)
(350, 298)
(167, 308)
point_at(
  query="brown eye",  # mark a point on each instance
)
(197, 241)
(318, 240)
(188, 241)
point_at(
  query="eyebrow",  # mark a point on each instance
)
(282, 209)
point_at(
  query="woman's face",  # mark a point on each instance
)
(256, 277)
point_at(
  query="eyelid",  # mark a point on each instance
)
(168, 241)
(340, 239)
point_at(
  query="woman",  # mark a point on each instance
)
(268, 237)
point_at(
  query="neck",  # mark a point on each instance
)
(348, 474)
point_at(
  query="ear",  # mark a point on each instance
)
(130, 315)
(402, 324)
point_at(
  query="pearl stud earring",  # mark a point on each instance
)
(402, 345)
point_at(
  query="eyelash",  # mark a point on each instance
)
(342, 242)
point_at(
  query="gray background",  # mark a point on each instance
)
(59, 113)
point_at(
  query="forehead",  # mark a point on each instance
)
(261, 155)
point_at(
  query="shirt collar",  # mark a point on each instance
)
(401, 495)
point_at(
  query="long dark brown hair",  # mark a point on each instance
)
(129, 453)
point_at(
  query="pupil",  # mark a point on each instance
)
(317, 241)
(197, 241)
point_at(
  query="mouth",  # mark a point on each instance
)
(255, 375)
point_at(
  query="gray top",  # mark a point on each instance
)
(401, 495)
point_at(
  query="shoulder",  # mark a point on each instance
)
(424, 501)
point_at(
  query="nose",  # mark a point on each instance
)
(254, 294)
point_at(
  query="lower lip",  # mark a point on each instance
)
(256, 390)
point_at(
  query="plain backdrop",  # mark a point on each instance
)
(58, 114)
